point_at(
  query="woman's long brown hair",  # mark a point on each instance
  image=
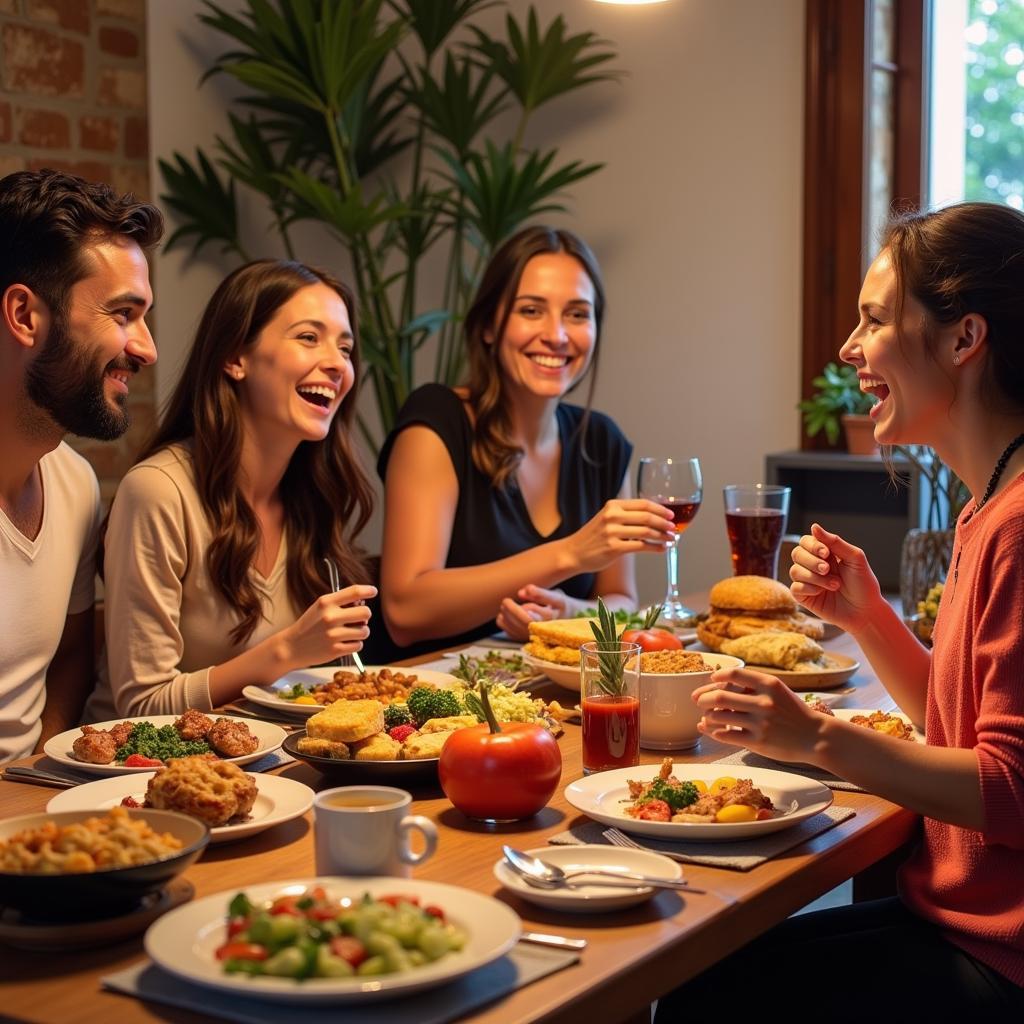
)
(325, 493)
(495, 454)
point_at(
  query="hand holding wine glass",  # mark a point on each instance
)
(678, 485)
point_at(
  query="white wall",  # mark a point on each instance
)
(696, 220)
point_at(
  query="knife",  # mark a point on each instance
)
(557, 941)
(35, 777)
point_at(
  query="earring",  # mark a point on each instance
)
(956, 358)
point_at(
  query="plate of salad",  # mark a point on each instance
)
(333, 940)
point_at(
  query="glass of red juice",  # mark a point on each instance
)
(755, 519)
(610, 691)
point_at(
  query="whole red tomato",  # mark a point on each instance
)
(652, 639)
(500, 776)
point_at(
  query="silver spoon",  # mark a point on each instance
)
(550, 876)
(335, 579)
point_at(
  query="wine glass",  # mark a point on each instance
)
(676, 484)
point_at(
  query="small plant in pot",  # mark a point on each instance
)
(838, 400)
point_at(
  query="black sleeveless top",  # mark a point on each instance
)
(493, 522)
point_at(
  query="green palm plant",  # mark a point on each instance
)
(365, 116)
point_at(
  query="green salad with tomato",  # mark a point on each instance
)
(312, 936)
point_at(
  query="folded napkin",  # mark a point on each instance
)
(436, 1006)
(741, 855)
(749, 759)
(274, 759)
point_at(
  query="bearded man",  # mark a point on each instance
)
(74, 292)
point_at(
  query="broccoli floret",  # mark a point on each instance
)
(396, 714)
(426, 702)
(676, 796)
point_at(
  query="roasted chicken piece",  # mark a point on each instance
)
(231, 739)
(193, 725)
(94, 746)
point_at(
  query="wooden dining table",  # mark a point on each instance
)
(633, 956)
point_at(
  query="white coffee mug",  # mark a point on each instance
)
(668, 715)
(364, 830)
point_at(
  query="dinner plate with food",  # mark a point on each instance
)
(231, 802)
(756, 619)
(141, 744)
(698, 802)
(374, 938)
(365, 740)
(891, 723)
(312, 689)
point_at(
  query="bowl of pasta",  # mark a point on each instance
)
(76, 864)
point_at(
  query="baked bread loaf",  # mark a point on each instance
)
(347, 721)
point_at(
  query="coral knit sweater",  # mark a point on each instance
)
(971, 884)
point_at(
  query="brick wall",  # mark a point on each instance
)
(73, 97)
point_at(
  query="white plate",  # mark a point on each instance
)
(59, 747)
(595, 898)
(847, 713)
(279, 800)
(605, 795)
(566, 676)
(183, 941)
(269, 696)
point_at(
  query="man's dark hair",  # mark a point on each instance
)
(47, 218)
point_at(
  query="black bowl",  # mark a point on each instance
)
(98, 893)
(422, 770)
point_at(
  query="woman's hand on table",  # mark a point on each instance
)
(757, 711)
(623, 526)
(832, 578)
(532, 604)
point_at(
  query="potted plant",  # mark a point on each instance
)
(837, 400)
(926, 552)
(379, 119)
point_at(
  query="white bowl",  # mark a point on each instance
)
(668, 715)
(566, 676)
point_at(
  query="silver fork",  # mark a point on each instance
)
(620, 839)
(335, 580)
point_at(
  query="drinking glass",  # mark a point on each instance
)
(676, 484)
(610, 692)
(755, 519)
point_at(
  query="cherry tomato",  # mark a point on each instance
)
(140, 761)
(241, 951)
(653, 639)
(500, 776)
(393, 899)
(435, 911)
(349, 948)
(286, 905)
(236, 925)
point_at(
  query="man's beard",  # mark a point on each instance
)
(65, 382)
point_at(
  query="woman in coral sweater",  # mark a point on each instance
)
(940, 345)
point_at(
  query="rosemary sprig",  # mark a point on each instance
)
(609, 657)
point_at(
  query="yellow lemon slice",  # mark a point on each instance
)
(737, 812)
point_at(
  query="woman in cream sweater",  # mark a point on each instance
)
(215, 543)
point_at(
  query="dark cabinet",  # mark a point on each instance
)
(856, 497)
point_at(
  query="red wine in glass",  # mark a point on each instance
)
(682, 511)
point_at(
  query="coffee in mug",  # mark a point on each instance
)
(365, 830)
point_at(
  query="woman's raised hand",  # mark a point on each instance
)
(832, 578)
(623, 525)
(332, 625)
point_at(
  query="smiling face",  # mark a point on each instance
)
(293, 379)
(902, 368)
(93, 349)
(551, 332)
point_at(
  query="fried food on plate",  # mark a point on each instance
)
(94, 746)
(425, 745)
(347, 721)
(783, 650)
(380, 747)
(213, 791)
(193, 725)
(742, 605)
(559, 640)
(231, 739)
(324, 748)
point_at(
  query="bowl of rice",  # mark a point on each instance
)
(668, 715)
(92, 863)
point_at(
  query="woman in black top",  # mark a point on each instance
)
(501, 501)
